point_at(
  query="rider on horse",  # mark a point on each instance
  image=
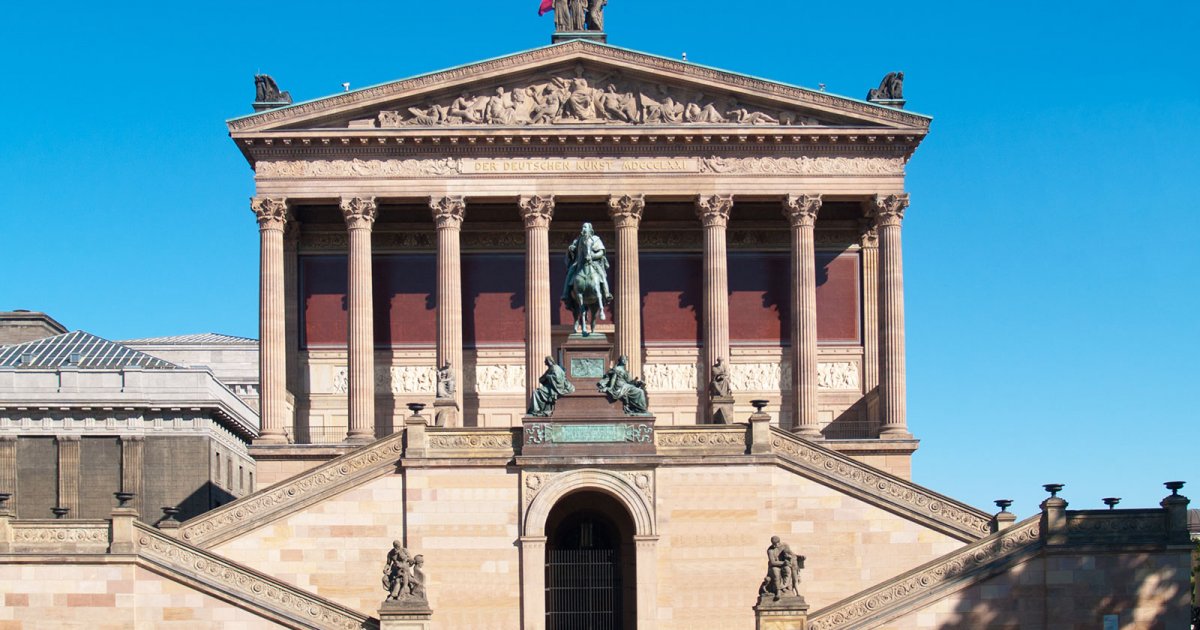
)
(586, 252)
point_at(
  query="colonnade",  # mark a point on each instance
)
(883, 217)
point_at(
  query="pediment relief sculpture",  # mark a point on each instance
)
(587, 97)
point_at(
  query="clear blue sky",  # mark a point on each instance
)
(1050, 251)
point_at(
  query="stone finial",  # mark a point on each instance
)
(123, 498)
(1003, 519)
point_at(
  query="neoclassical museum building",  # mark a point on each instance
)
(449, 440)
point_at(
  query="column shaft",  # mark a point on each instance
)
(536, 212)
(801, 212)
(132, 449)
(870, 298)
(448, 215)
(889, 212)
(8, 470)
(714, 215)
(360, 214)
(626, 212)
(272, 350)
(68, 473)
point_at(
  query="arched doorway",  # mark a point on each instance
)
(591, 569)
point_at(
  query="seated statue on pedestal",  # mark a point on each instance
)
(551, 386)
(618, 384)
(783, 572)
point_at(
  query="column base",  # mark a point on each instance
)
(360, 438)
(271, 438)
(894, 433)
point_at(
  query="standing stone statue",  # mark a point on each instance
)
(404, 576)
(783, 572)
(618, 384)
(551, 386)
(445, 382)
(579, 15)
(585, 290)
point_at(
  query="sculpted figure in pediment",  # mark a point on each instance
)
(576, 98)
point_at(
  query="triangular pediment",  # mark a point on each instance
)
(580, 84)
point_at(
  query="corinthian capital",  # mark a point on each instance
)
(359, 212)
(713, 210)
(272, 212)
(889, 210)
(448, 212)
(536, 210)
(626, 211)
(801, 210)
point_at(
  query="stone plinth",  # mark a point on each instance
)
(720, 410)
(446, 413)
(395, 615)
(570, 435)
(585, 359)
(785, 613)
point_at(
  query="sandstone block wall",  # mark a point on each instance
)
(715, 524)
(109, 597)
(1067, 590)
(464, 521)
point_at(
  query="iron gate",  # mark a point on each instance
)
(583, 590)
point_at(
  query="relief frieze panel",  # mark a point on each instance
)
(445, 167)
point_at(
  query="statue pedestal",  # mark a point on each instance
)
(394, 615)
(445, 412)
(566, 36)
(785, 613)
(720, 410)
(585, 359)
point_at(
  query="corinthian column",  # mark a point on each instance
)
(272, 352)
(359, 213)
(869, 241)
(889, 212)
(448, 215)
(626, 213)
(714, 215)
(536, 212)
(801, 212)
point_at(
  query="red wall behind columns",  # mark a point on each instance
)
(838, 297)
(404, 297)
(493, 299)
(672, 287)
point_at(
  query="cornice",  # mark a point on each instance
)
(578, 50)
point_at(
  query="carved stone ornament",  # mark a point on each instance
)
(626, 210)
(359, 212)
(448, 212)
(404, 576)
(838, 375)
(397, 379)
(803, 165)
(586, 96)
(670, 377)
(537, 211)
(888, 210)
(271, 211)
(801, 210)
(713, 210)
(759, 377)
(357, 168)
(499, 379)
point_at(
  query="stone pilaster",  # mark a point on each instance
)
(889, 213)
(801, 212)
(533, 582)
(8, 470)
(448, 215)
(132, 449)
(626, 213)
(291, 313)
(359, 213)
(869, 242)
(537, 213)
(713, 211)
(68, 473)
(272, 350)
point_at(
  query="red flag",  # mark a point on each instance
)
(547, 6)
